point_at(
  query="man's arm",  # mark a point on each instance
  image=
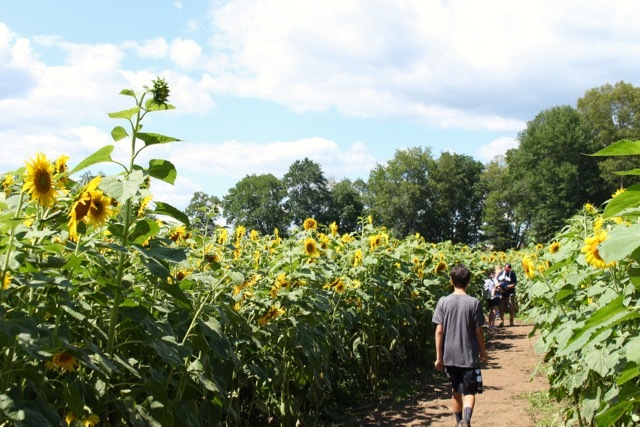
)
(480, 336)
(439, 347)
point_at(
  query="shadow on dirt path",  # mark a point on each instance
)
(507, 375)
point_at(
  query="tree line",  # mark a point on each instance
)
(522, 196)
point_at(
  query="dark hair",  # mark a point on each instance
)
(460, 276)
(507, 266)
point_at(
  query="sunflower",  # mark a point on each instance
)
(554, 247)
(374, 241)
(100, 209)
(618, 192)
(529, 267)
(6, 281)
(357, 258)
(253, 235)
(591, 252)
(333, 228)
(178, 233)
(143, 205)
(60, 168)
(440, 267)
(64, 360)
(6, 184)
(589, 208)
(272, 313)
(310, 246)
(310, 224)
(223, 236)
(240, 232)
(339, 286)
(38, 181)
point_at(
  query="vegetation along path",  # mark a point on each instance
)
(508, 378)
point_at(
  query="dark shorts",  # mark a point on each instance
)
(494, 302)
(465, 380)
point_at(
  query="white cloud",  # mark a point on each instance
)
(186, 53)
(151, 48)
(497, 147)
(447, 64)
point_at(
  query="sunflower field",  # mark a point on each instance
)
(115, 312)
(583, 291)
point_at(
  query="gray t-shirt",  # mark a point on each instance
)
(460, 315)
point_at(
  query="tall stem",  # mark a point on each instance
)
(122, 258)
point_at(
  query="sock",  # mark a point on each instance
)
(467, 413)
(458, 416)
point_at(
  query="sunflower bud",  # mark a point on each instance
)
(160, 91)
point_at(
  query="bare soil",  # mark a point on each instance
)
(509, 374)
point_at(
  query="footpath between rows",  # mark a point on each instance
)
(508, 377)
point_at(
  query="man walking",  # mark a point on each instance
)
(507, 280)
(460, 344)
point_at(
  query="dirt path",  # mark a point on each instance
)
(505, 377)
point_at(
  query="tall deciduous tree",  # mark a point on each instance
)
(307, 190)
(256, 202)
(203, 211)
(398, 193)
(550, 171)
(346, 205)
(613, 112)
(457, 198)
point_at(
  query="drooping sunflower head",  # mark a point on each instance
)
(310, 246)
(38, 181)
(60, 169)
(253, 235)
(589, 208)
(7, 183)
(592, 255)
(554, 247)
(529, 267)
(357, 258)
(100, 209)
(440, 267)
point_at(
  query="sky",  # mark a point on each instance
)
(259, 84)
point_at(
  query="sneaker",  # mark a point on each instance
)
(464, 423)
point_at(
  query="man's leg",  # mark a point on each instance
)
(456, 405)
(512, 308)
(469, 402)
(504, 302)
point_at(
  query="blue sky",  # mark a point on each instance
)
(258, 84)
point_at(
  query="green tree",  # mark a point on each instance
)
(346, 205)
(501, 228)
(613, 112)
(308, 194)
(203, 211)
(256, 202)
(457, 198)
(550, 172)
(398, 193)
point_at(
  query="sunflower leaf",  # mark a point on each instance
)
(119, 133)
(143, 230)
(101, 156)
(628, 199)
(166, 209)
(125, 114)
(163, 170)
(623, 147)
(155, 138)
(620, 242)
(127, 92)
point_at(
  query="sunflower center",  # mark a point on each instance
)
(42, 181)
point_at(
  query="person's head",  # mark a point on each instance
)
(460, 276)
(507, 267)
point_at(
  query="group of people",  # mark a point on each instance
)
(460, 346)
(500, 295)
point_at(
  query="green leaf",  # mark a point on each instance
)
(634, 276)
(620, 242)
(630, 172)
(163, 170)
(143, 230)
(100, 156)
(118, 133)
(122, 189)
(150, 105)
(155, 138)
(630, 371)
(623, 147)
(127, 92)
(627, 199)
(604, 317)
(125, 114)
(166, 209)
